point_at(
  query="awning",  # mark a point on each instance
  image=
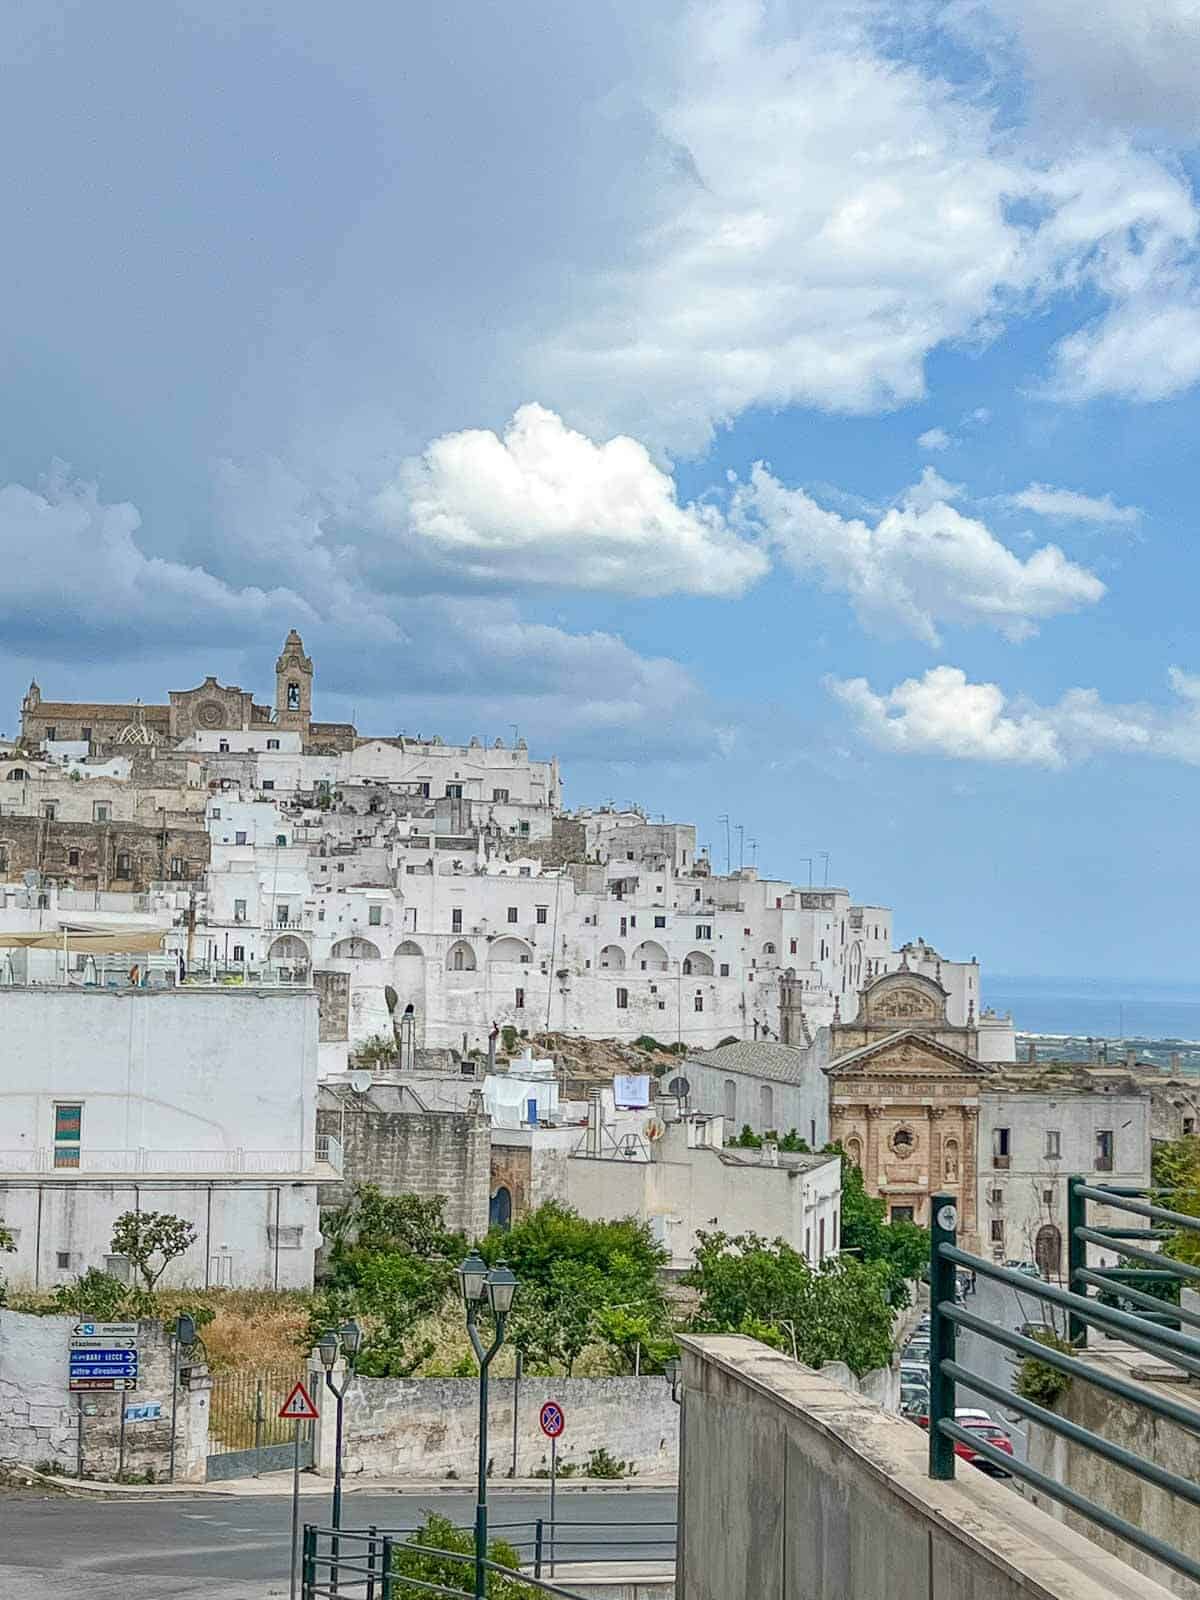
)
(101, 942)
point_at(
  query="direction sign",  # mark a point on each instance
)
(552, 1419)
(102, 1344)
(103, 1358)
(298, 1406)
(105, 1330)
(110, 1385)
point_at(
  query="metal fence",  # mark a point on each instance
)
(246, 1436)
(1152, 1326)
(387, 1564)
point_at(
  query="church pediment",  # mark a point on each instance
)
(903, 997)
(907, 1054)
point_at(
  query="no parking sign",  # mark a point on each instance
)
(552, 1419)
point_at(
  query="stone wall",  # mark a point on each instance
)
(91, 854)
(428, 1427)
(43, 1425)
(427, 1153)
(333, 999)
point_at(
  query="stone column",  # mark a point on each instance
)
(937, 1177)
(968, 1193)
(871, 1156)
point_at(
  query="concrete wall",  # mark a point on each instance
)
(791, 1488)
(1165, 1443)
(43, 1425)
(408, 1151)
(428, 1427)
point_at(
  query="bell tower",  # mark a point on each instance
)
(293, 686)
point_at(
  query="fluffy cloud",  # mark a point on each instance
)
(922, 564)
(75, 577)
(545, 505)
(1070, 506)
(934, 439)
(943, 713)
(813, 248)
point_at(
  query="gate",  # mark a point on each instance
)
(245, 1434)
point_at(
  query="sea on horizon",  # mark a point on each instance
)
(1100, 1008)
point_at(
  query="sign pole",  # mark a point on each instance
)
(295, 1505)
(121, 1443)
(553, 1483)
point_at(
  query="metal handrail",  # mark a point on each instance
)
(1169, 1343)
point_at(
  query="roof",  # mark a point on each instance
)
(759, 1058)
(934, 1047)
(110, 711)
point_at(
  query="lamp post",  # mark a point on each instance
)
(475, 1284)
(349, 1338)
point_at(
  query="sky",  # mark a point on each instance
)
(779, 411)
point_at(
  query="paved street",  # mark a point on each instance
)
(1005, 1308)
(237, 1549)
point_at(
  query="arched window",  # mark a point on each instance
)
(509, 950)
(768, 949)
(766, 1107)
(613, 958)
(649, 957)
(698, 964)
(408, 948)
(461, 957)
(355, 949)
(731, 1103)
(1047, 1250)
(16, 775)
(289, 948)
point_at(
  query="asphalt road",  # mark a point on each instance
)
(185, 1548)
(1006, 1308)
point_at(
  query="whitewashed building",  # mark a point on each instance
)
(763, 1085)
(199, 1102)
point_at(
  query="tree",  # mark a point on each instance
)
(95, 1295)
(1175, 1168)
(439, 1533)
(750, 1285)
(901, 1247)
(142, 1235)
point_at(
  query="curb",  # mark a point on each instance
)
(311, 1486)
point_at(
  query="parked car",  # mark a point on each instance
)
(916, 1372)
(988, 1429)
(964, 1283)
(1029, 1268)
(916, 1350)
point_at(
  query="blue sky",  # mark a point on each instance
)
(786, 410)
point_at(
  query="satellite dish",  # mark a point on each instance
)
(360, 1082)
(680, 1088)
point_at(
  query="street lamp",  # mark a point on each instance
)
(498, 1287)
(671, 1370)
(349, 1338)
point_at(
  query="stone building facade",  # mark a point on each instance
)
(904, 1098)
(126, 856)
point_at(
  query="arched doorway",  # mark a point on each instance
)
(1047, 1250)
(500, 1209)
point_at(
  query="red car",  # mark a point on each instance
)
(991, 1432)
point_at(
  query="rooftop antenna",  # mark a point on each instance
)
(809, 860)
(516, 732)
(753, 843)
(724, 817)
(741, 828)
(824, 855)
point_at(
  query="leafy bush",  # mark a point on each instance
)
(601, 1465)
(380, 1050)
(1038, 1380)
(439, 1533)
(96, 1296)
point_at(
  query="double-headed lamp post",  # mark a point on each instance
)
(349, 1339)
(476, 1284)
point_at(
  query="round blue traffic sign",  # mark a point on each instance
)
(552, 1419)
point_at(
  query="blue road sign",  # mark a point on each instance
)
(111, 1363)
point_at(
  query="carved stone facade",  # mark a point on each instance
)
(904, 1098)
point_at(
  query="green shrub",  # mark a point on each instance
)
(1038, 1380)
(439, 1533)
(601, 1465)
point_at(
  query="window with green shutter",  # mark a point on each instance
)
(68, 1125)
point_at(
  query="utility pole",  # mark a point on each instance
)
(725, 819)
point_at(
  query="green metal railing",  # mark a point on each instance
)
(1156, 1330)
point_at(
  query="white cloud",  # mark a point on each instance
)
(1069, 505)
(1134, 63)
(943, 713)
(812, 248)
(545, 505)
(934, 439)
(921, 565)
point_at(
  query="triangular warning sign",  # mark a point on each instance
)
(298, 1406)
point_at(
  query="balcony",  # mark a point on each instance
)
(289, 924)
(323, 1162)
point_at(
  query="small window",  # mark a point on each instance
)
(239, 836)
(540, 915)
(375, 916)
(293, 697)
(100, 811)
(698, 1003)
(63, 1258)
(283, 915)
(704, 930)
(622, 999)
(239, 911)
(821, 1238)
(1047, 1197)
(1189, 1124)
(997, 1230)
(901, 1214)
(281, 839)
(996, 1196)
(456, 920)
(499, 796)
(660, 922)
(1000, 1147)
(341, 866)
(1104, 1150)
(746, 932)
(86, 734)
(793, 947)
(68, 1131)
(520, 1000)
(43, 903)
(524, 830)
(49, 810)
(724, 969)
(268, 783)
(624, 926)
(272, 744)
(239, 952)
(454, 791)
(512, 913)
(215, 813)
(72, 858)
(124, 864)
(223, 747)
(52, 733)
(1053, 1142)
(629, 855)
(178, 867)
